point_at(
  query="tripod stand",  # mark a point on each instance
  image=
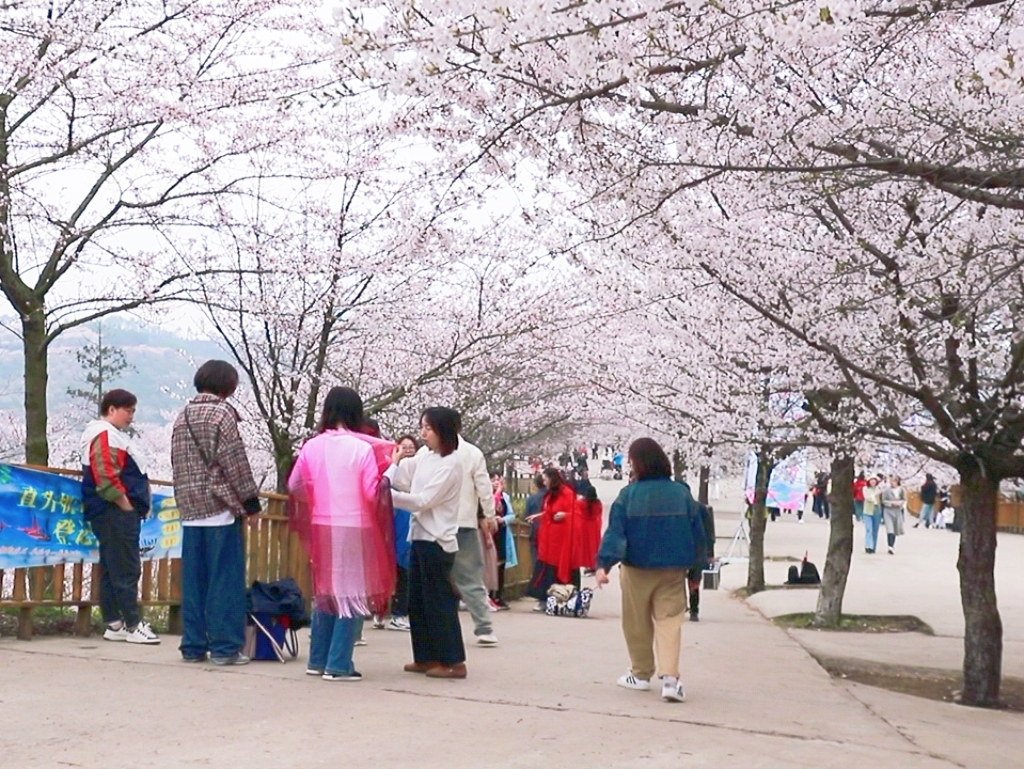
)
(742, 535)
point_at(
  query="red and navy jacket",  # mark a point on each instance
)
(111, 466)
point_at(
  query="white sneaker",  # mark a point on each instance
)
(672, 690)
(142, 634)
(378, 622)
(398, 623)
(487, 640)
(115, 634)
(462, 606)
(892, 550)
(630, 681)
(360, 642)
(492, 605)
(541, 606)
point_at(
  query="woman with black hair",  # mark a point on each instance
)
(431, 482)
(335, 506)
(655, 532)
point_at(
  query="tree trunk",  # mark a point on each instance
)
(840, 545)
(702, 486)
(983, 629)
(758, 515)
(35, 345)
(284, 457)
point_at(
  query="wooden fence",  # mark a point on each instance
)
(272, 551)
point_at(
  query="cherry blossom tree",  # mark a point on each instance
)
(851, 172)
(119, 122)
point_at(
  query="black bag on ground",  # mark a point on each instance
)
(275, 610)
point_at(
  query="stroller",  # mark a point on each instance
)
(275, 611)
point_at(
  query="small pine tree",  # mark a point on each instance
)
(102, 364)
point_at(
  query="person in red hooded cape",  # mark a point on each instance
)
(588, 520)
(557, 555)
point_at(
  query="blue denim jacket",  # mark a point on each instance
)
(653, 524)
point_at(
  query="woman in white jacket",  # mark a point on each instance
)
(428, 486)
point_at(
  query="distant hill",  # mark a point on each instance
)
(163, 364)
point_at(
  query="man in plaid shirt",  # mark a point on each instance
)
(214, 489)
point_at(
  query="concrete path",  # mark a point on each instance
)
(545, 696)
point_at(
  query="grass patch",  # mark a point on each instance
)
(929, 683)
(859, 623)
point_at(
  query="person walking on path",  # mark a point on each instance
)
(115, 500)
(655, 532)
(894, 503)
(929, 495)
(705, 557)
(214, 489)
(872, 514)
(346, 527)
(858, 495)
(428, 486)
(468, 572)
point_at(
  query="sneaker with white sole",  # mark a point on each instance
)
(378, 622)
(115, 633)
(399, 623)
(314, 672)
(672, 690)
(234, 659)
(142, 634)
(630, 681)
(488, 639)
(360, 642)
(353, 676)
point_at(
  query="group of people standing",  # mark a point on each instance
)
(405, 528)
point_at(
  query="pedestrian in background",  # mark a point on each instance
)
(894, 504)
(872, 514)
(929, 495)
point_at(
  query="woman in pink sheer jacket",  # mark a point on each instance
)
(341, 508)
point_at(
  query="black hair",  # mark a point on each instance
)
(370, 427)
(415, 441)
(342, 406)
(216, 377)
(443, 421)
(554, 478)
(117, 399)
(539, 482)
(648, 459)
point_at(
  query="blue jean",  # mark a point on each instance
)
(872, 523)
(331, 641)
(925, 516)
(858, 509)
(212, 591)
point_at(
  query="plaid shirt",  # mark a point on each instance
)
(203, 490)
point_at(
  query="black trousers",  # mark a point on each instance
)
(400, 601)
(118, 533)
(434, 606)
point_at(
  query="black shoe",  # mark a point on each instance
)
(694, 616)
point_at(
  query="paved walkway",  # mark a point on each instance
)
(546, 695)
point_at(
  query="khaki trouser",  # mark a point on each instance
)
(653, 603)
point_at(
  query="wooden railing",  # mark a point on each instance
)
(272, 552)
(1009, 511)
